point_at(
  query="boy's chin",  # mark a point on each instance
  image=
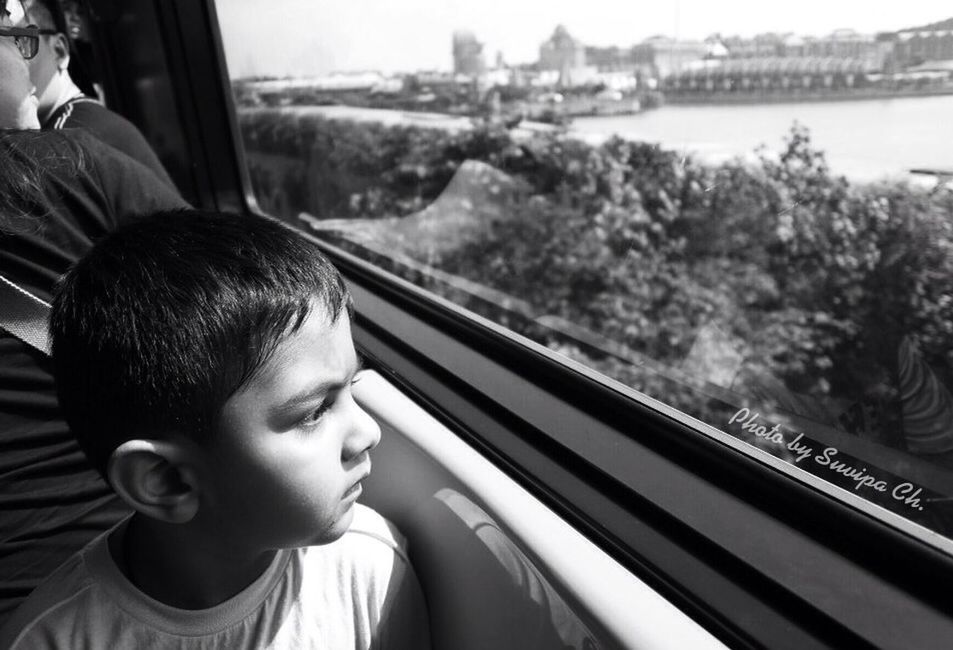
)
(337, 530)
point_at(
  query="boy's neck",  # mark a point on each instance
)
(170, 564)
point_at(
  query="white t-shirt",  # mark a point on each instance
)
(357, 592)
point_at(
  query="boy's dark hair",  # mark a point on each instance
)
(169, 316)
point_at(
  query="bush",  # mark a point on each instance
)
(816, 279)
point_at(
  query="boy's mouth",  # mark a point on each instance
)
(354, 491)
(357, 487)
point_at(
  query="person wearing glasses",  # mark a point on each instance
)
(18, 104)
(62, 105)
(61, 191)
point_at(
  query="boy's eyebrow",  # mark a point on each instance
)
(308, 394)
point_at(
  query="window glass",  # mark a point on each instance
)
(745, 214)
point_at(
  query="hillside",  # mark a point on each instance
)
(943, 24)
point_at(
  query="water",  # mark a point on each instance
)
(864, 139)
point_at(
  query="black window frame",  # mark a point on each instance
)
(759, 559)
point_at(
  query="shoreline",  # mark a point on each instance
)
(753, 99)
(698, 150)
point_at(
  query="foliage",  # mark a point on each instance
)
(815, 280)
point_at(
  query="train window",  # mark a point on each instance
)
(741, 219)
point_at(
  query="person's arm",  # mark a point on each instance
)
(116, 131)
(134, 144)
(130, 187)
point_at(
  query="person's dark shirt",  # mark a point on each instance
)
(51, 501)
(112, 128)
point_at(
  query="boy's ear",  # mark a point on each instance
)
(156, 478)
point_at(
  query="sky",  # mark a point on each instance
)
(311, 37)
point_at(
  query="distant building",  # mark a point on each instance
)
(619, 68)
(849, 44)
(760, 46)
(870, 51)
(564, 55)
(792, 46)
(610, 59)
(668, 56)
(467, 54)
(772, 74)
(916, 47)
(332, 81)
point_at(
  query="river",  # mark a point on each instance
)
(863, 139)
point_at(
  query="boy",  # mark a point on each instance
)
(204, 361)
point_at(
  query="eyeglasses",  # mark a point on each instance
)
(27, 38)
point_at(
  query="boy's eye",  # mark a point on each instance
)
(314, 416)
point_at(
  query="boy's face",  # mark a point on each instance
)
(285, 467)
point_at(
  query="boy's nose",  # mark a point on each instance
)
(365, 433)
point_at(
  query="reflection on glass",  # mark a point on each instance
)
(606, 195)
